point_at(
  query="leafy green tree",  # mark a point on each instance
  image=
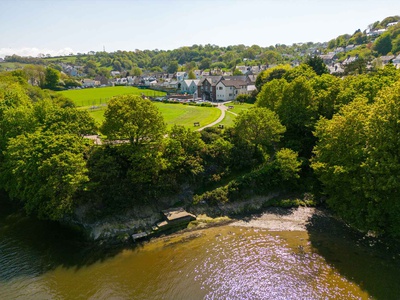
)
(288, 164)
(270, 74)
(339, 155)
(133, 118)
(383, 44)
(259, 127)
(45, 171)
(136, 71)
(317, 64)
(191, 75)
(271, 94)
(173, 67)
(52, 78)
(205, 63)
(298, 112)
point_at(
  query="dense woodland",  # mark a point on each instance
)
(309, 132)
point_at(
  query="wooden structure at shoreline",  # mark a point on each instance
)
(173, 217)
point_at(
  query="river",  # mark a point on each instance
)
(42, 260)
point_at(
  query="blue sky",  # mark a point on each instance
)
(29, 27)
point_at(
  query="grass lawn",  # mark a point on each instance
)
(97, 96)
(178, 114)
(229, 119)
(238, 107)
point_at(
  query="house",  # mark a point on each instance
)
(1, 60)
(392, 24)
(180, 76)
(189, 86)
(242, 69)
(338, 50)
(206, 87)
(227, 90)
(349, 59)
(197, 73)
(376, 32)
(90, 83)
(335, 68)
(386, 59)
(115, 73)
(328, 58)
(396, 61)
(103, 80)
(350, 47)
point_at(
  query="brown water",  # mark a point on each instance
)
(41, 260)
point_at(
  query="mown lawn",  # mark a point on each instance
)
(98, 96)
(239, 107)
(178, 114)
(230, 116)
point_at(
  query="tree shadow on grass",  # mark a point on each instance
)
(366, 261)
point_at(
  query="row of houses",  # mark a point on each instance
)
(336, 67)
(225, 88)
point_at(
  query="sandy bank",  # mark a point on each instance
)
(280, 219)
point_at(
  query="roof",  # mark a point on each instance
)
(173, 214)
(213, 80)
(235, 83)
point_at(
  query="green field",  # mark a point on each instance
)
(239, 107)
(98, 96)
(178, 114)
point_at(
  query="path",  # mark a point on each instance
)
(223, 109)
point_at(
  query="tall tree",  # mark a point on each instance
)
(133, 118)
(44, 171)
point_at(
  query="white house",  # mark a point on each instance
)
(227, 90)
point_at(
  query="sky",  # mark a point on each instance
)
(60, 27)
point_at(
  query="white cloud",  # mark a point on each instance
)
(34, 52)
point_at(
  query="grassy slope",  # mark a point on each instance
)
(173, 114)
(97, 96)
(229, 119)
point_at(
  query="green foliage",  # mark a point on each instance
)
(259, 127)
(271, 94)
(45, 170)
(270, 74)
(383, 44)
(356, 160)
(317, 64)
(191, 75)
(133, 118)
(52, 78)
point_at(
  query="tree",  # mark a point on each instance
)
(270, 74)
(298, 112)
(317, 64)
(133, 118)
(259, 127)
(45, 170)
(52, 77)
(205, 63)
(173, 67)
(191, 75)
(271, 94)
(136, 71)
(339, 156)
(383, 44)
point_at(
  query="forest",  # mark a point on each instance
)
(335, 138)
(328, 140)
